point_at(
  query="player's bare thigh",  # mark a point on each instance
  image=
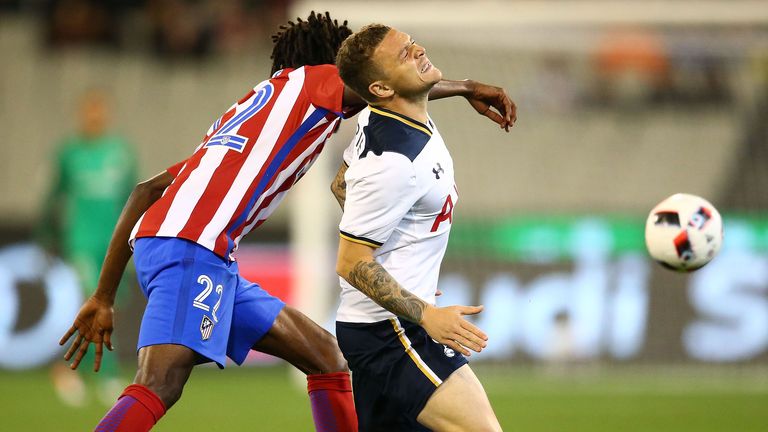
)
(459, 404)
(300, 341)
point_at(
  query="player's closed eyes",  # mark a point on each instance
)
(404, 55)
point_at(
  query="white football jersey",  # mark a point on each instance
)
(400, 200)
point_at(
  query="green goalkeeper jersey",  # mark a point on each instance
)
(93, 179)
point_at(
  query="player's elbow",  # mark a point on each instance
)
(338, 193)
(146, 191)
(342, 268)
(345, 264)
(153, 188)
(350, 257)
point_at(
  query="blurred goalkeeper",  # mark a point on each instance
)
(94, 173)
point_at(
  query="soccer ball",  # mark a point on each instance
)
(684, 232)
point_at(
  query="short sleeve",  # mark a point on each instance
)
(381, 190)
(349, 153)
(324, 87)
(174, 170)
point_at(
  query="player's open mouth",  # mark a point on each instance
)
(427, 66)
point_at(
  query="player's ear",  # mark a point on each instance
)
(380, 90)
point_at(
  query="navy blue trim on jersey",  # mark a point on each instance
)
(357, 239)
(392, 132)
(403, 118)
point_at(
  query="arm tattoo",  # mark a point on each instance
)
(375, 282)
(339, 186)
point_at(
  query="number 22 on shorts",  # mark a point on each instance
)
(199, 301)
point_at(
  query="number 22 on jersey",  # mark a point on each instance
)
(226, 134)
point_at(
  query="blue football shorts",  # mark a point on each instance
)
(197, 299)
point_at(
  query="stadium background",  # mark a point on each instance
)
(621, 104)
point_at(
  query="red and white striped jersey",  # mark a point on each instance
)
(248, 160)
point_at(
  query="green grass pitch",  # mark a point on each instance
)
(626, 399)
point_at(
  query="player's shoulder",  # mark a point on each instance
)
(390, 132)
(322, 69)
(321, 84)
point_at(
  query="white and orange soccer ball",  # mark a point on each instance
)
(684, 232)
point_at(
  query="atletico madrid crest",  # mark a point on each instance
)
(206, 327)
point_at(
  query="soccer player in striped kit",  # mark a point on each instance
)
(185, 223)
(397, 189)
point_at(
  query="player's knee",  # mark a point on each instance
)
(330, 360)
(166, 384)
(168, 392)
(164, 369)
(327, 356)
(338, 363)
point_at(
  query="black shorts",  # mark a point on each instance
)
(395, 368)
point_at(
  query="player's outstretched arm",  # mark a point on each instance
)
(339, 185)
(355, 263)
(482, 97)
(94, 323)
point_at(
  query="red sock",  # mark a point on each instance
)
(136, 410)
(332, 405)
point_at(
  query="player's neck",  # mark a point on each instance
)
(413, 108)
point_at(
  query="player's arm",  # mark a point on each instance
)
(339, 186)
(118, 253)
(94, 323)
(356, 264)
(481, 96)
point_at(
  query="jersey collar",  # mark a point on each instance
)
(404, 119)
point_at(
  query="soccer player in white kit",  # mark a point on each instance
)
(397, 190)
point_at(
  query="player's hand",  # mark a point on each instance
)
(93, 324)
(484, 97)
(447, 326)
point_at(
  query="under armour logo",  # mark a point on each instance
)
(437, 170)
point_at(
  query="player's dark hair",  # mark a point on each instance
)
(312, 42)
(355, 59)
